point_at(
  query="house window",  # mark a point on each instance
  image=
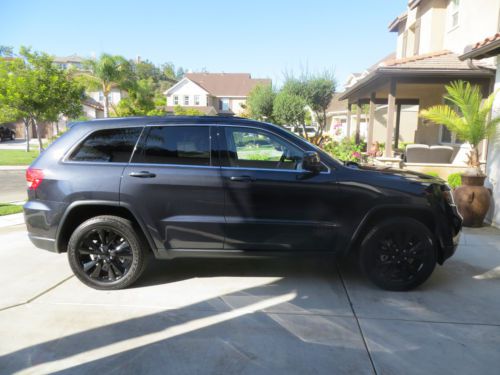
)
(445, 135)
(416, 40)
(176, 100)
(454, 9)
(224, 104)
(101, 96)
(405, 43)
(196, 100)
(186, 99)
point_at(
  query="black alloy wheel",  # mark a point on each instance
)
(106, 252)
(398, 254)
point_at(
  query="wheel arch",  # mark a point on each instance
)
(78, 212)
(422, 214)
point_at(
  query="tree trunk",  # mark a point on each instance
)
(304, 130)
(38, 135)
(27, 133)
(106, 106)
(474, 158)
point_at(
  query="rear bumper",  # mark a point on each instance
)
(42, 219)
(43, 243)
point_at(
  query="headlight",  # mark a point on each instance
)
(448, 194)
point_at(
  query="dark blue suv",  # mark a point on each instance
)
(109, 192)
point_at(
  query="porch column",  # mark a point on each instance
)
(390, 118)
(398, 123)
(371, 121)
(358, 123)
(348, 130)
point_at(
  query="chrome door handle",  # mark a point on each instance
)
(241, 178)
(142, 174)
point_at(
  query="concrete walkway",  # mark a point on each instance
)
(12, 184)
(304, 316)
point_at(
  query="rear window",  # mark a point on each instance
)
(108, 145)
(185, 145)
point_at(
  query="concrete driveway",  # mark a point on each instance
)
(249, 317)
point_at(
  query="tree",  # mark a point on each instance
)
(469, 117)
(317, 90)
(140, 99)
(260, 102)
(290, 109)
(35, 90)
(106, 73)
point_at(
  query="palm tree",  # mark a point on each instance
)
(470, 117)
(106, 73)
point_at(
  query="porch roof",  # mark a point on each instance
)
(441, 64)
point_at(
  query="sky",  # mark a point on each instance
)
(267, 38)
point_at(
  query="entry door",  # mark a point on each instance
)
(177, 190)
(271, 203)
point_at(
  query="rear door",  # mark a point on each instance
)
(271, 203)
(174, 184)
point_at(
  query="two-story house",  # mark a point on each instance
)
(431, 36)
(96, 98)
(213, 93)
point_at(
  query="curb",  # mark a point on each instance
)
(13, 167)
(10, 220)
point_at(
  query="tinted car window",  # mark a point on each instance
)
(253, 148)
(108, 145)
(187, 145)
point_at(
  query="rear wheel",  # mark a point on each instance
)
(105, 252)
(398, 254)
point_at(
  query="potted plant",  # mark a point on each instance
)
(470, 118)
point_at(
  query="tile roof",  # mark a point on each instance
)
(487, 41)
(227, 84)
(431, 64)
(88, 101)
(67, 59)
(485, 48)
(337, 105)
(436, 60)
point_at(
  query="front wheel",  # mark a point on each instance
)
(105, 252)
(398, 254)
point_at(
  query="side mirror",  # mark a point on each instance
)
(311, 162)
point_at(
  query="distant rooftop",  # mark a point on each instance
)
(68, 59)
(227, 84)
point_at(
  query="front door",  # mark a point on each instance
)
(271, 203)
(176, 187)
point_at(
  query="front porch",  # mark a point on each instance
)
(418, 82)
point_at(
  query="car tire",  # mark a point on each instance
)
(106, 252)
(398, 254)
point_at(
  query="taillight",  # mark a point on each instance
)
(34, 178)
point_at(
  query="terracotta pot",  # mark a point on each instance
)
(472, 200)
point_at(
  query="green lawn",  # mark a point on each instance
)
(17, 157)
(7, 209)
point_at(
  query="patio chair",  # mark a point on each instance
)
(417, 153)
(440, 154)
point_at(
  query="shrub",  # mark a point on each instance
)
(432, 173)
(454, 180)
(345, 150)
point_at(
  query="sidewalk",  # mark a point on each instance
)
(13, 167)
(10, 220)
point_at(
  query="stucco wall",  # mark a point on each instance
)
(190, 89)
(493, 161)
(478, 19)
